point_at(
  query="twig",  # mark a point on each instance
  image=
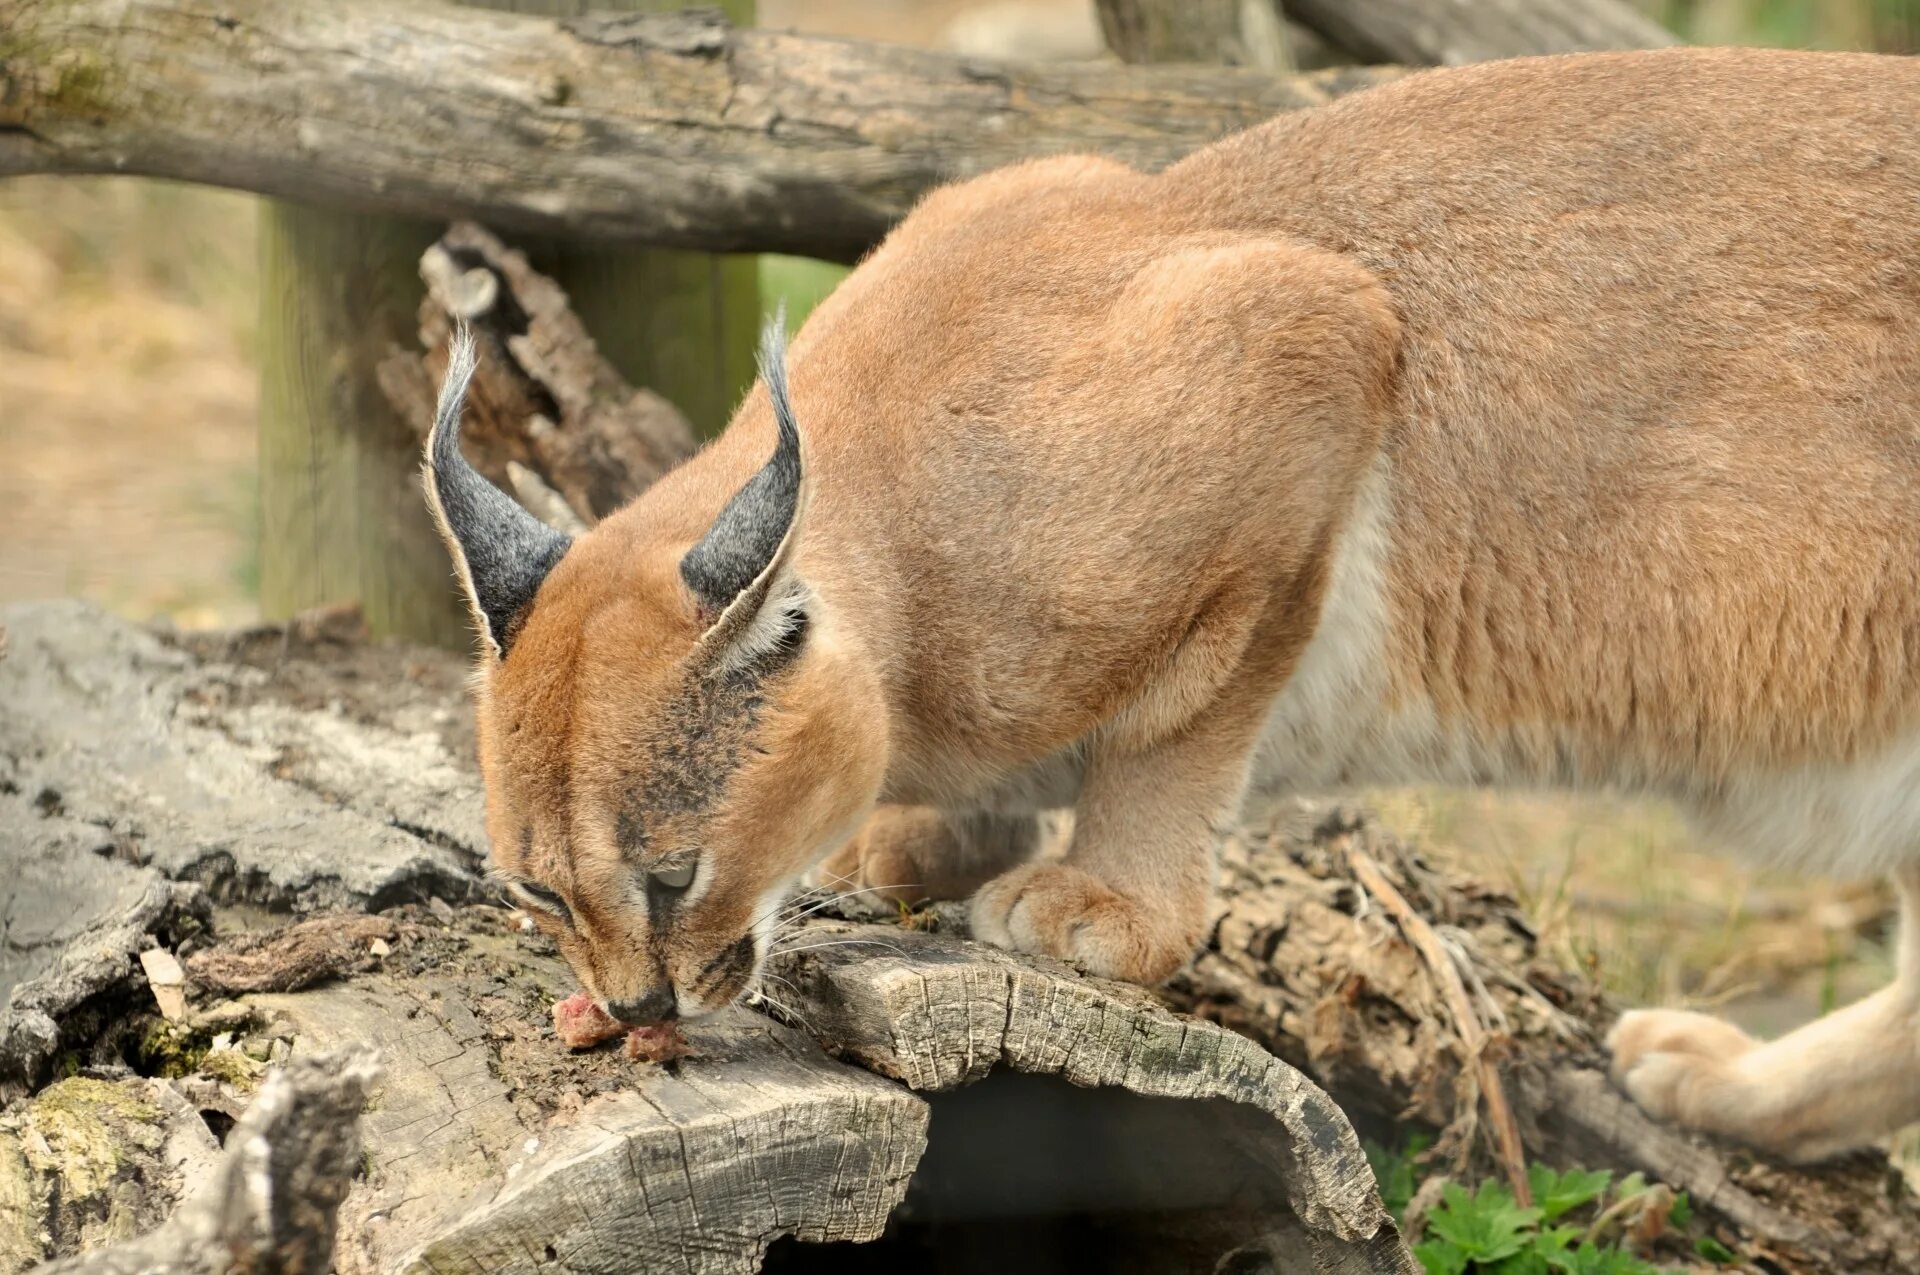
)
(1506, 1134)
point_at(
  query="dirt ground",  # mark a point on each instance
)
(127, 405)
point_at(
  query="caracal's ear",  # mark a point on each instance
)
(738, 573)
(500, 551)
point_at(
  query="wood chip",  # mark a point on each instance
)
(168, 981)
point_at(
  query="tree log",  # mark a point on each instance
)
(1423, 33)
(1211, 32)
(491, 1147)
(1305, 961)
(674, 130)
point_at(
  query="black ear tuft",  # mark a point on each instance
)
(743, 540)
(501, 551)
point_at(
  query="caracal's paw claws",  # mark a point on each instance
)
(1054, 909)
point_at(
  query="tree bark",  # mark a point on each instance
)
(269, 1205)
(674, 130)
(1423, 33)
(680, 323)
(341, 519)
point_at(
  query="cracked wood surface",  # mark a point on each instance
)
(304, 771)
(936, 1012)
(177, 754)
(491, 1147)
(674, 130)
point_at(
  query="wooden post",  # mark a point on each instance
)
(341, 518)
(1217, 32)
(340, 509)
(681, 324)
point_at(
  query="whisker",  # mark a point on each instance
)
(786, 1009)
(808, 902)
(815, 947)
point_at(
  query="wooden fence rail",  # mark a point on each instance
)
(675, 130)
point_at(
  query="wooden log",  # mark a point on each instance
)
(491, 1146)
(88, 1161)
(671, 130)
(371, 745)
(1422, 33)
(340, 517)
(1306, 961)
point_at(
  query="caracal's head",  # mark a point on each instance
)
(671, 731)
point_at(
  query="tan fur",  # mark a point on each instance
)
(1554, 421)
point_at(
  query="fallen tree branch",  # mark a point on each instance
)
(674, 129)
(1466, 1020)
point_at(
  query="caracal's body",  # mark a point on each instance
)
(1552, 423)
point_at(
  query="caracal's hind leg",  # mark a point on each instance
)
(910, 853)
(1839, 1083)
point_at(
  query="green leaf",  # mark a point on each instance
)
(1631, 1185)
(1440, 1258)
(1714, 1251)
(1558, 1193)
(1681, 1214)
(1591, 1260)
(1528, 1261)
(1486, 1226)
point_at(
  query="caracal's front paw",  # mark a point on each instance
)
(904, 853)
(1055, 909)
(873, 867)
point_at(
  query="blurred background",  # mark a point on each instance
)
(129, 399)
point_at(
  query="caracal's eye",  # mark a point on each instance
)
(677, 877)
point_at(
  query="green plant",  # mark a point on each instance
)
(1566, 1231)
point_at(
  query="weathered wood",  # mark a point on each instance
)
(366, 751)
(88, 1162)
(542, 396)
(74, 913)
(489, 1142)
(341, 519)
(352, 790)
(1423, 33)
(270, 1203)
(673, 130)
(1304, 961)
(937, 1012)
(680, 323)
